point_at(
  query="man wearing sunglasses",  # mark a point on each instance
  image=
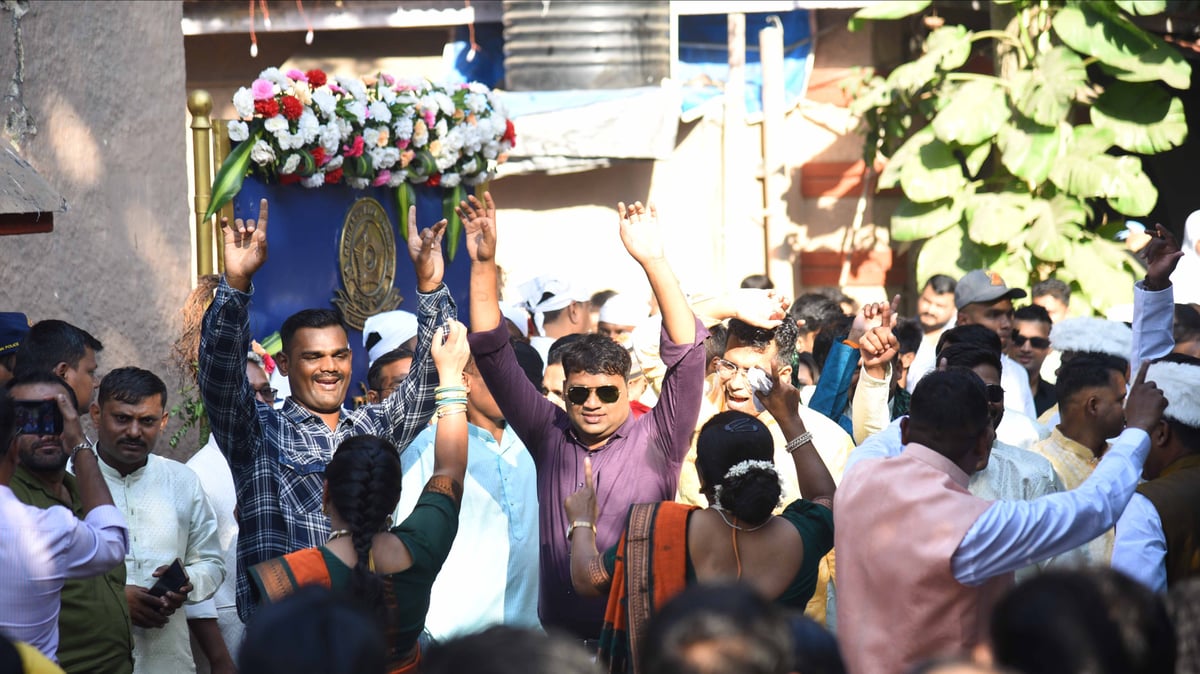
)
(635, 460)
(1029, 346)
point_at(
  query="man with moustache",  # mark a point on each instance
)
(169, 518)
(935, 311)
(278, 457)
(92, 622)
(983, 299)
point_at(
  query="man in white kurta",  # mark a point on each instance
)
(168, 516)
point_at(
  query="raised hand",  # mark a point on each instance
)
(760, 308)
(874, 315)
(245, 248)
(450, 351)
(1162, 254)
(581, 506)
(640, 232)
(479, 222)
(1145, 404)
(783, 400)
(425, 251)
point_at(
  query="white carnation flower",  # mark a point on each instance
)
(325, 101)
(445, 103)
(353, 86)
(477, 88)
(441, 128)
(358, 110)
(403, 127)
(344, 127)
(420, 138)
(444, 161)
(470, 166)
(428, 102)
(262, 153)
(358, 183)
(378, 158)
(380, 112)
(238, 131)
(396, 179)
(451, 179)
(370, 136)
(334, 164)
(315, 180)
(290, 166)
(331, 137)
(388, 95)
(476, 103)
(243, 102)
(276, 77)
(276, 124)
(308, 126)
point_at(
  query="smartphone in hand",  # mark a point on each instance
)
(172, 580)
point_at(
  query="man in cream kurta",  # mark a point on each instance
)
(168, 514)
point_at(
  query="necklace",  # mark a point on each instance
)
(734, 529)
(738, 528)
(340, 533)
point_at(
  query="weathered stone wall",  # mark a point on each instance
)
(104, 86)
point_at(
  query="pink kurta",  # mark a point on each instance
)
(898, 521)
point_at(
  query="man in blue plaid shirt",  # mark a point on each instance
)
(278, 457)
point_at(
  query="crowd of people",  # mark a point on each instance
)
(732, 482)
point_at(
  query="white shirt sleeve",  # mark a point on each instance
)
(1153, 323)
(203, 562)
(1013, 534)
(869, 413)
(1017, 394)
(1140, 547)
(883, 444)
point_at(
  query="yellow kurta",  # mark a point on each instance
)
(1074, 463)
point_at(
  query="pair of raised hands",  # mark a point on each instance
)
(246, 249)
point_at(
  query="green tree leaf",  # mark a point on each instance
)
(949, 253)
(1105, 284)
(995, 218)
(896, 9)
(907, 153)
(1028, 149)
(1132, 54)
(1045, 239)
(1045, 93)
(976, 156)
(974, 114)
(1132, 192)
(1144, 118)
(912, 221)
(949, 47)
(934, 175)
(228, 181)
(1143, 7)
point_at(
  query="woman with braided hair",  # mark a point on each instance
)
(668, 546)
(389, 570)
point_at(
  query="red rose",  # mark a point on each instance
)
(292, 108)
(510, 132)
(266, 108)
(316, 78)
(334, 176)
(289, 179)
(435, 180)
(318, 155)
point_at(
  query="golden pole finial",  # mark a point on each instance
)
(200, 105)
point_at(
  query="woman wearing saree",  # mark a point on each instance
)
(388, 570)
(668, 546)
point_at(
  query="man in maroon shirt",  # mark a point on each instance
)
(634, 460)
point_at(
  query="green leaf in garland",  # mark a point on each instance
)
(229, 177)
(453, 223)
(404, 199)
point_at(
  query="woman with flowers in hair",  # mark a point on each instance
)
(388, 570)
(668, 546)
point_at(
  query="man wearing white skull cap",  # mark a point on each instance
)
(1158, 535)
(383, 333)
(558, 308)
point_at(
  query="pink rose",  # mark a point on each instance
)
(262, 90)
(382, 179)
(403, 143)
(355, 149)
(297, 75)
(430, 118)
(388, 79)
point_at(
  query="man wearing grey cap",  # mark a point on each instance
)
(983, 298)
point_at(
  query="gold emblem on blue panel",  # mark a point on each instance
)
(367, 259)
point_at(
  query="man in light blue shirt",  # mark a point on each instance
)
(491, 575)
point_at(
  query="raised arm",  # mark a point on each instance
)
(878, 348)
(479, 222)
(450, 355)
(642, 236)
(225, 339)
(1154, 301)
(812, 476)
(408, 410)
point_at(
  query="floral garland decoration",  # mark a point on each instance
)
(381, 131)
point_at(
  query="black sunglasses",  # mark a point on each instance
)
(995, 393)
(579, 395)
(1037, 342)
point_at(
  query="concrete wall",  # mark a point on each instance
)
(104, 86)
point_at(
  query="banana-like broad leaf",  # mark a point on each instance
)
(1028, 150)
(1046, 93)
(1104, 283)
(996, 218)
(1133, 193)
(908, 152)
(1044, 239)
(912, 221)
(974, 114)
(1086, 139)
(950, 46)
(1144, 118)
(934, 174)
(453, 222)
(228, 180)
(976, 156)
(1143, 7)
(1131, 54)
(897, 9)
(950, 253)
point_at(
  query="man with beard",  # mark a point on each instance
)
(90, 632)
(278, 457)
(983, 299)
(935, 311)
(169, 519)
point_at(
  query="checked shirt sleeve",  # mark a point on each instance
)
(406, 412)
(228, 398)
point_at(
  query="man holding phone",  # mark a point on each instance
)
(175, 552)
(70, 517)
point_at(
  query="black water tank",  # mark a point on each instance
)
(589, 44)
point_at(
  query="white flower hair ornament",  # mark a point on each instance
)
(744, 467)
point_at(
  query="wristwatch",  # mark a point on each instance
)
(81, 446)
(579, 523)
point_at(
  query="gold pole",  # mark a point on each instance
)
(220, 152)
(200, 105)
